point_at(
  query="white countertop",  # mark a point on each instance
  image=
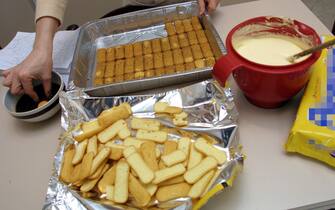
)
(271, 179)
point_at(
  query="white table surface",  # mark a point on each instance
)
(271, 179)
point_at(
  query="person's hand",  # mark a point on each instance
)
(37, 66)
(209, 5)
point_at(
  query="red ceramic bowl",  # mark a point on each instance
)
(264, 85)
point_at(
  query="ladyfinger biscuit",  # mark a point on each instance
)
(139, 75)
(101, 55)
(175, 180)
(184, 144)
(100, 70)
(137, 48)
(111, 131)
(128, 51)
(198, 188)
(189, 66)
(92, 145)
(195, 173)
(128, 151)
(145, 124)
(201, 36)
(180, 68)
(151, 188)
(131, 141)
(67, 167)
(111, 115)
(210, 150)
(168, 173)
(137, 163)
(147, 47)
(210, 61)
(158, 60)
(179, 27)
(187, 25)
(121, 182)
(169, 147)
(149, 73)
(169, 27)
(171, 192)
(196, 51)
(196, 23)
(165, 43)
(148, 62)
(194, 158)
(90, 184)
(124, 133)
(174, 158)
(192, 37)
(87, 130)
(187, 54)
(110, 69)
(129, 65)
(86, 165)
(183, 41)
(136, 189)
(148, 152)
(206, 50)
(119, 78)
(75, 176)
(129, 76)
(156, 45)
(107, 179)
(157, 136)
(168, 58)
(200, 63)
(177, 57)
(139, 64)
(80, 151)
(116, 150)
(110, 54)
(99, 159)
(119, 67)
(169, 70)
(160, 71)
(119, 52)
(174, 42)
(97, 173)
(108, 80)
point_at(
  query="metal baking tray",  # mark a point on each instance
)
(130, 28)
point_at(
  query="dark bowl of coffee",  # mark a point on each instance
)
(23, 107)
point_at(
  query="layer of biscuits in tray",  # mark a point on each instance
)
(138, 162)
(186, 48)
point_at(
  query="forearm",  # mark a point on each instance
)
(46, 28)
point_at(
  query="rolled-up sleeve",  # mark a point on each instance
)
(51, 8)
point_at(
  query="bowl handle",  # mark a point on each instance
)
(224, 67)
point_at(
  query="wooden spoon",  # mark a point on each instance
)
(311, 50)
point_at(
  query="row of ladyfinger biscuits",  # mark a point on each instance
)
(153, 61)
(200, 63)
(181, 26)
(151, 46)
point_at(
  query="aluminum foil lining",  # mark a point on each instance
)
(211, 112)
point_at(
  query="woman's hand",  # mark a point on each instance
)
(38, 64)
(209, 5)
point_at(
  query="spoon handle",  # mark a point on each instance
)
(313, 49)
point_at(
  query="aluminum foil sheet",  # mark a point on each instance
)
(211, 112)
(134, 27)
